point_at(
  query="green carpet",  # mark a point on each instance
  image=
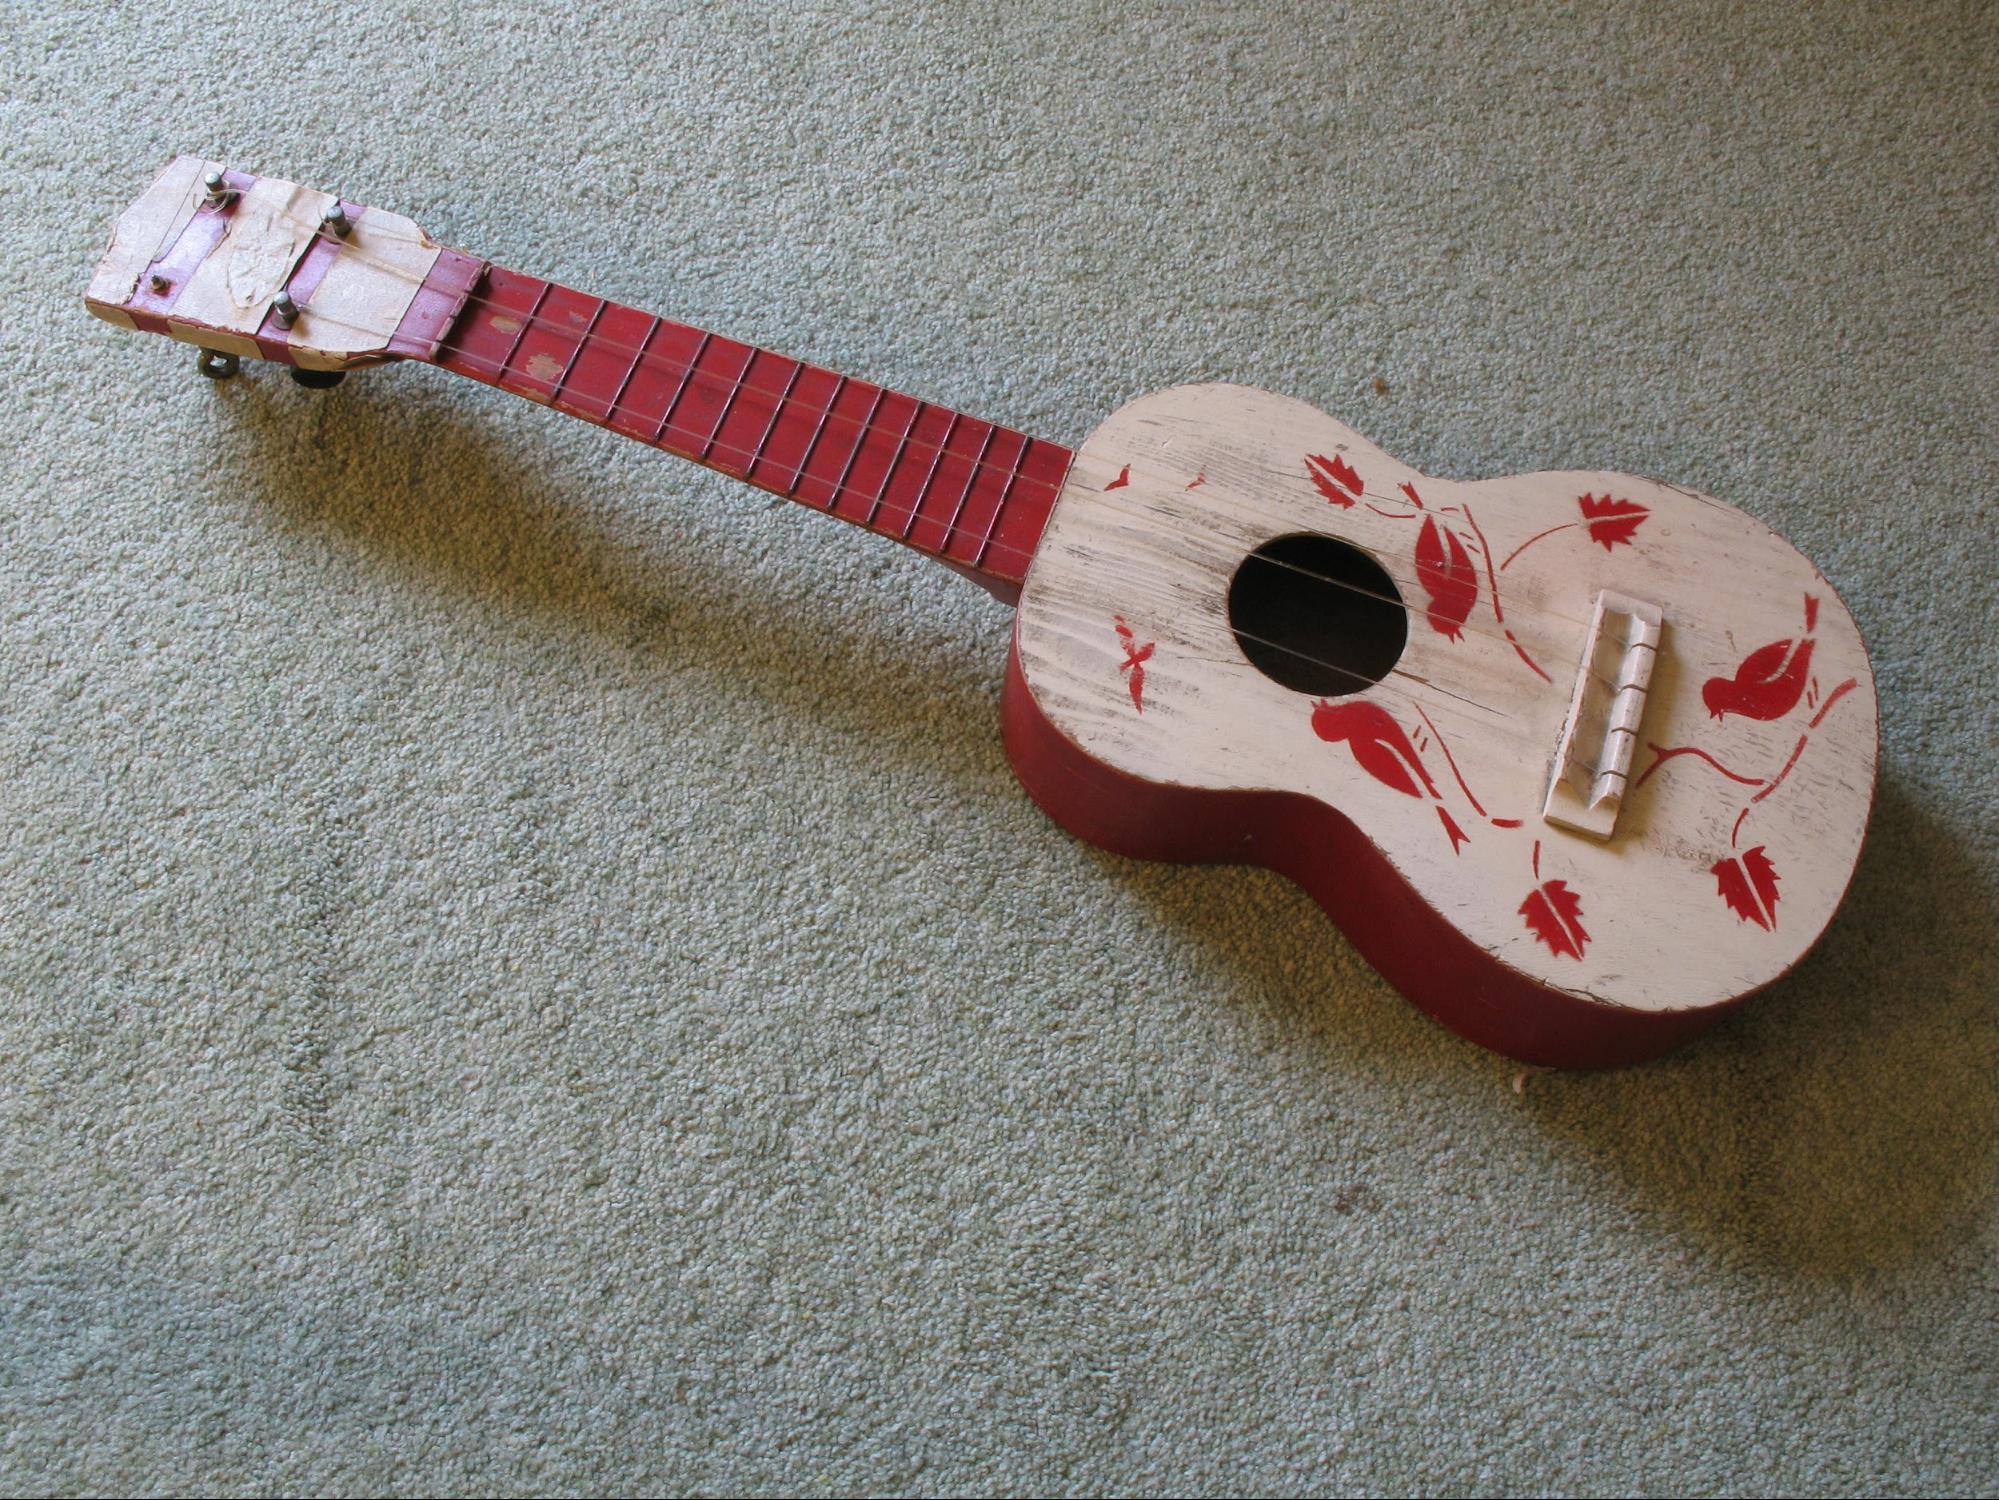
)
(524, 969)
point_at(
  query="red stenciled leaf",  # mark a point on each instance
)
(1767, 685)
(1734, 888)
(1611, 521)
(1134, 663)
(1135, 658)
(1456, 834)
(1749, 886)
(1448, 576)
(1123, 479)
(1335, 478)
(1377, 742)
(1762, 875)
(1554, 914)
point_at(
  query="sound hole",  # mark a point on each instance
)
(1317, 615)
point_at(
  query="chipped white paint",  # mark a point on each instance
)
(1722, 809)
(348, 318)
(360, 303)
(143, 231)
(230, 292)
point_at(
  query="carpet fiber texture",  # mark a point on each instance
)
(523, 966)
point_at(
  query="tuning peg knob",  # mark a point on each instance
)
(219, 190)
(335, 219)
(216, 365)
(284, 309)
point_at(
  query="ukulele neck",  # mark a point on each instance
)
(973, 495)
(252, 267)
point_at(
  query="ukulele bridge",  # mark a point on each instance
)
(1592, 765)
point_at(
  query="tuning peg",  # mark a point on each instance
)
(317, 380)
(219, 190)
(216, 365)
(284, 309)
(335, 219)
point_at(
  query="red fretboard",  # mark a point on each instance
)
(974, 495)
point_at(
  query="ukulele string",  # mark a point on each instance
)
(687, 374)
(916, 523)
(949, 531)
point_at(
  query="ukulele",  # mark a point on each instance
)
(1577, 760)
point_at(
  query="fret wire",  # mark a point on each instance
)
(930, 475)
(729, 402)
(999, 509)
(470, 299)
(777, 407)
(643, 355)
(638, 358)
(457, 321)
(906, 438)
(522, 332)
(866, 429)
(971, 481)
(989, 540)
(888, 477)
(686, 379)
(555, 392)
(860, 442)
(818, 431)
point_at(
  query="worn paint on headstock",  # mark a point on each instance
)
(205, 255)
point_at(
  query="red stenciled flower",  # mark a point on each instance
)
(1135, 658)
(1611, 521)
(1448, 576)
(1770, 680)
(1377, 742)
(1554, 914)
(1749, 886)
(1335, 478)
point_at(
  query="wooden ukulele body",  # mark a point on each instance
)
(1577, 760)
(1416, 809)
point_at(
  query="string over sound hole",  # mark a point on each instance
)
(1318, 615)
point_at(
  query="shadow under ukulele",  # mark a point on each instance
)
(451, 498)
(1851, 1126)
(1476, 808)
(1832, 1134)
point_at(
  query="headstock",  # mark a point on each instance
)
(255, 267)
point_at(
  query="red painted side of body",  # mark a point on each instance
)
(1416, 949)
